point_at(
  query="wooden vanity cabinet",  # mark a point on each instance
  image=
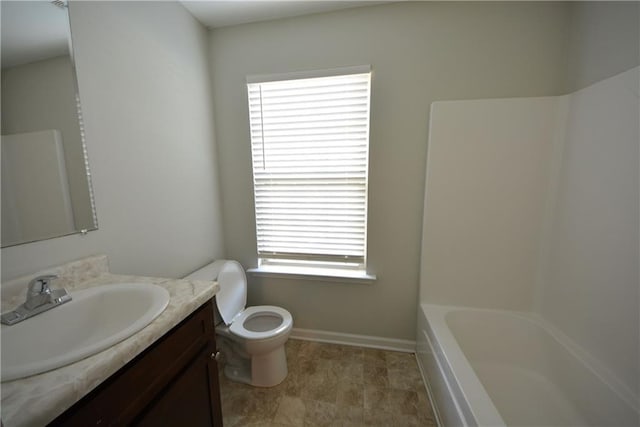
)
(172, 383)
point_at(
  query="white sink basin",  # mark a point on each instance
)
(95, 319)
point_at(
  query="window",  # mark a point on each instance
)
(310, 144)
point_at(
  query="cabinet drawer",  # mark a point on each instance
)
(121, 397)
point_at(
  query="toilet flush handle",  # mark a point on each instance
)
(217, 356)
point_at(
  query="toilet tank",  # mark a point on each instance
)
(232, 297)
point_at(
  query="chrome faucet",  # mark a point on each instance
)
(40, 298)
(39, 291)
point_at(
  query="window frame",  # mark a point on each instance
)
(299, 265)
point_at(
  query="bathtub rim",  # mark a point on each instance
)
(469, 395)
(435, 315)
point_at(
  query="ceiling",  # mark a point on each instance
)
(224, 13)
(32, 31)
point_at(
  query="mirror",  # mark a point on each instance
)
(46, 185)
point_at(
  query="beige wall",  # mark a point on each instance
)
(145, 90)
(420, 52)
(603, 41)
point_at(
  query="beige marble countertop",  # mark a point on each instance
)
(38, 399)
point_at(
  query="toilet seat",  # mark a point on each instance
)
(238, 328)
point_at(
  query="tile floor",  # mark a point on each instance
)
(333, 385)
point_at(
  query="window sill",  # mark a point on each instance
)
(310, 273)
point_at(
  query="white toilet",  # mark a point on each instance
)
(252, 339)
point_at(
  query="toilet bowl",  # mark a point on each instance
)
(251, 338)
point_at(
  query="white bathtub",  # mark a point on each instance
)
(497, 368)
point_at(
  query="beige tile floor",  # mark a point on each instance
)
(333, 385)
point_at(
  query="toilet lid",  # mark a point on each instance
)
(232, 297)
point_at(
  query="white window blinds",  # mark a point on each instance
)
(310, 143)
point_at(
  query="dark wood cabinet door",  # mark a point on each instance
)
(191, 400)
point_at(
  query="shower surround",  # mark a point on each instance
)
(532, 213)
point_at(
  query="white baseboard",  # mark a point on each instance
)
(382, 343)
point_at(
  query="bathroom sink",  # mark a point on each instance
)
(95, 319)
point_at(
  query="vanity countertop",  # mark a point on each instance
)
(39, 399)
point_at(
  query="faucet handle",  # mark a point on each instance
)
(40, 285)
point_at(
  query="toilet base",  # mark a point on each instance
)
(239, 374)
(268, 370)
(264, 370)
